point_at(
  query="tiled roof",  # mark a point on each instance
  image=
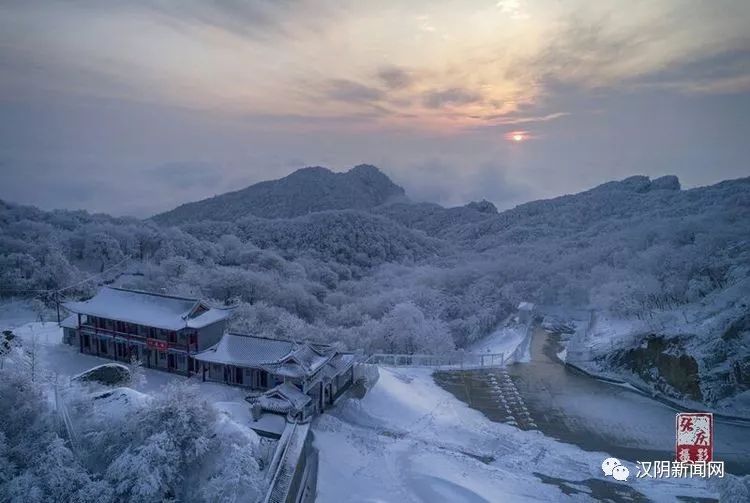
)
(280, 357)
(291, 393)
(341, 362)
(337, 365)
(304, 360)
(146, 308)
(283, 398)
(246, 350)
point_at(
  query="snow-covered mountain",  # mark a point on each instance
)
(307, 190)
(344, 256)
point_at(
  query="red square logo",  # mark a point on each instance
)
(695, 437)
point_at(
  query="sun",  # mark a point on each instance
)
(517, 136)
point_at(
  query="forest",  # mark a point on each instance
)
(403, 276)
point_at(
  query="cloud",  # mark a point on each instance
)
(450, 97)
(727, 72)
(589, 53)
(245, 18)
(112, 94)
(351, 92)
(395, 78)
(516, 118)
(512, 8)
(186, 175)
(447, 183)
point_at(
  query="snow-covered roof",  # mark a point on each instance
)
(526, 306)
(150, 309)
(280, 357)
(246, 350)
(283, 398)
(337, 366)
(213, 315)
(341, 362)
(305, 360)
(70, 322)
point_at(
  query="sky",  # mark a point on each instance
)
(134, 107)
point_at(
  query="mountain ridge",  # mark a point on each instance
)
(307, 190)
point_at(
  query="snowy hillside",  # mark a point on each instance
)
(695, 354)
(305, 191)
(346, 237)
(395, 276)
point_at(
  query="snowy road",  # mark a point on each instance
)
(410, 441)
(599, 416)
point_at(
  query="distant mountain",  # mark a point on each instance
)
(305, 191)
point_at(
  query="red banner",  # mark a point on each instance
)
(157, 344)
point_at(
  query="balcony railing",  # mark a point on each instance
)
(89, 329)
(458, 359)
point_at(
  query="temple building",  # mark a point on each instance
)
(187, 336)
(299, 379)
(162, 331)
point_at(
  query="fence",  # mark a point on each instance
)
(454, 360)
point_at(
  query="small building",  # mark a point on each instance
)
(162, 331)
(296, 379)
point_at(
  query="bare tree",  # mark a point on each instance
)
(31, 349)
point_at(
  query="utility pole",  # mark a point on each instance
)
(57, 304)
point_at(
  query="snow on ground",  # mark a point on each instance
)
(604, 335)
(116, 402)
(505, 339)
(408, 440)
(61, 360)
(14, 313)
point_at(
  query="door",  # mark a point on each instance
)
(238, 375)
(170, 361)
